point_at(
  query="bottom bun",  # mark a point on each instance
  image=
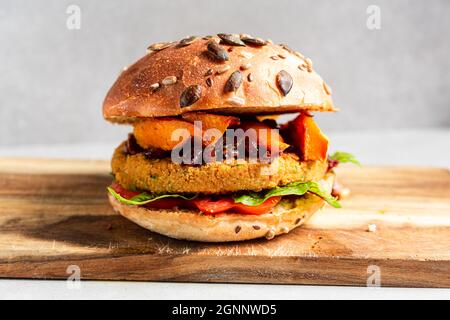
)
(193, 225)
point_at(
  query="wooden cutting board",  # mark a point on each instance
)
(54, 214)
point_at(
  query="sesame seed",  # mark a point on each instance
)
(270, 234)
(326, 88)
(244, 35)
(154, 86)
(298, 54)
(284, 229)
(246, 54)
(245, 66)
(167, 81)
(236, 100)
(303, 67)
(223, 69)
(159, 46)
(309, 64)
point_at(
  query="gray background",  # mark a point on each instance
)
(53, 80)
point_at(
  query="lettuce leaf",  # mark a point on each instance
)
(344, 157)
(295, 188)
(249, 199)
(144, 198)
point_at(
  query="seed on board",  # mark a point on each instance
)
(159, 46)
(326, 88)
(216, 51)
(284, 82)
(223, 69)
(190, 95)
(245, 66)
(238, 228)
(339, 191)
(231, 39)
(167, 81)
(209, 82)
(258, 42)
(309, 64)
(233, 82)
(270, 234)
(209, 72)
(187, 41)
(250, 77)
(154, 86)
(256, 227)
(236, 101)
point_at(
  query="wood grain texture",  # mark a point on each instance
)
(55, 213)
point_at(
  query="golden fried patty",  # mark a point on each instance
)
(164, 176)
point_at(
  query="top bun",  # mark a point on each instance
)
(226, 74)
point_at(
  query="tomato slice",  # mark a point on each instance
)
(264, 207)
(208, 206)
(211, 207)
(127, 194)
(166, 203)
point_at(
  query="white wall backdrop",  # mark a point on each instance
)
(53, 80)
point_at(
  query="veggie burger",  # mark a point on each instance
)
(209, 159)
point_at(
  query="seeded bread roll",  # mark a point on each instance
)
(227, 74)
(192, 225)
